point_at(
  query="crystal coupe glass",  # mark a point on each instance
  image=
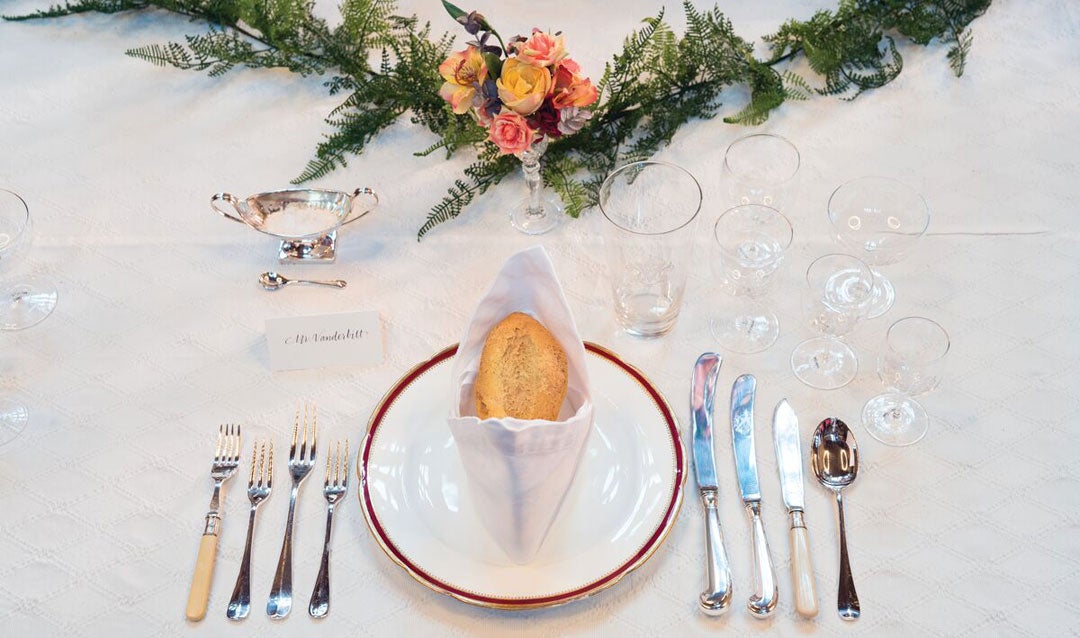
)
(910, 365)
(24, 299)
(749, 243)
(836, 298)
(879, 219)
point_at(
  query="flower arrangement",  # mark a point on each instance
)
(521, 92)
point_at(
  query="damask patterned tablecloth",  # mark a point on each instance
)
(158, 336)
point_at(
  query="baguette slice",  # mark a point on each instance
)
(523, 371)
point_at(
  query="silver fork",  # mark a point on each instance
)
(226, 460)
(258, 491)
(300, 463)
(335, 487)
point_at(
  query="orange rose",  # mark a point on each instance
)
(542, 49)
(464, 72)
(511, 133)
(570, 88)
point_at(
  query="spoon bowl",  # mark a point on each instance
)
(834, 457)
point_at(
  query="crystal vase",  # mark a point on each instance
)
(536, 214)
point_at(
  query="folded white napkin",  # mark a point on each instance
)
(519, 471)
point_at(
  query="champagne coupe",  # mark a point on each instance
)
(761, 169)
(24, 300)
(836, 298)
(750, 241)
(879, 219)
(910, 365)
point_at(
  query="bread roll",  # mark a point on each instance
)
(523, 371)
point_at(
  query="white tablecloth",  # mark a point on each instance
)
(158, 336)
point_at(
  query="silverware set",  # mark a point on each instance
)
(835, 463)
(302, 455)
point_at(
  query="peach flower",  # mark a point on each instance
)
(511, 133)
(523, 87)
(542, 49)
(464, 72)
(570, 88)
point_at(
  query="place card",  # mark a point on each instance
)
(318, 341)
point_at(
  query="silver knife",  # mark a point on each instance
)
(789, 465)
(763, 601)
(716, 598)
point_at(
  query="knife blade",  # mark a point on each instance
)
(716, 598)
(763, 601)
(790, 467)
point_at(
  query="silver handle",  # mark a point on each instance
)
(240, 603)
(847, 601)
(336, 283)
(280, 603)
(763, 602)
(364, 190)
(320, 596)
(716, 599)
(224, 212)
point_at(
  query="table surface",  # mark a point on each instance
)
(158, 336)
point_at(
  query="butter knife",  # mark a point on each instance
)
(716, 599)
(790, 466)
(763, 601)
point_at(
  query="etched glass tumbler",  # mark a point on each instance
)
(836, 298)
(762, 169)
(650, 218)
(911, 365)
(749, 250)
(879, 219)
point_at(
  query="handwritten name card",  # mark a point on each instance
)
(318, 341)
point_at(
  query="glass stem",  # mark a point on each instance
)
(530, 166)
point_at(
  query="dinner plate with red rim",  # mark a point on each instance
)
(620, 507)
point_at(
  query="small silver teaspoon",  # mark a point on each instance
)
(835, 459)
(272, 281)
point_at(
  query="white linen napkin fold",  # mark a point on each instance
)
(519, 471)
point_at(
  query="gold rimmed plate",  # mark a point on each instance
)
(619, 510)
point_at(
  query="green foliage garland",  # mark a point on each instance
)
(657, 83)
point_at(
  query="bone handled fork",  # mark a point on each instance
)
(258, 491)
(301, 460)
(226, 460)
(334, 488)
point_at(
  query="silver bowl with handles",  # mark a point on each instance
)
(306, 220)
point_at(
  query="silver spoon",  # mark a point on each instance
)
(835, 459)
(272, 281)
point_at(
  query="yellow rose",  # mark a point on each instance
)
(522, 87)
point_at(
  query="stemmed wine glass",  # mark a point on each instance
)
(879, 219)
(24, 300)
(910, 365)
(837, 297)
(761, 168)
(750, 241)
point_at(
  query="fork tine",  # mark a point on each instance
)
(295, 433)
(254, 454)
(270, 466)
(314, 431)
(234, 445)
(304, 444)
(345, 466)
(220, 437)
(326, 483)
(337, 464)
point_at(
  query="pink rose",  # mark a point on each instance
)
(569, 88)
(542, 49)
(511, 133)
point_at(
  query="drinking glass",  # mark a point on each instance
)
(750, 241)
(762, 169)
(650, 212)
(879, 219)
(24, 300)
(836, 298)
(910, 365)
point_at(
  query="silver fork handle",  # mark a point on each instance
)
(280, 603)
(763, 602)
(240, 603)
(320, 596)
(716, 599)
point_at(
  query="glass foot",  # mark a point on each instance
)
(26, 302)
(536, 223)
(824, 363)
(746, 333)
(882, 297)
(13, 420)
(895, 419)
